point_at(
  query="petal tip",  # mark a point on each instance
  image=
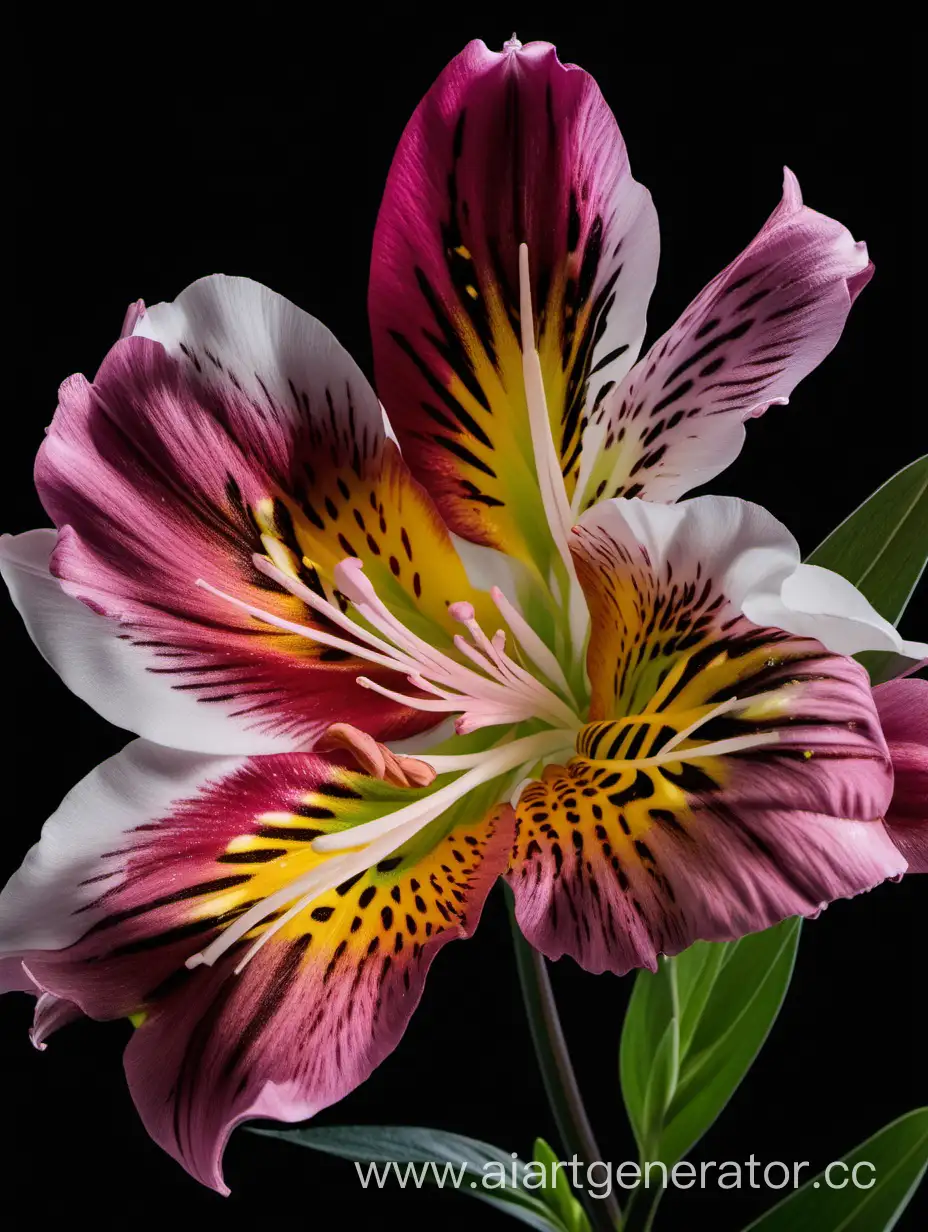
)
(792, 193)
(857, 282)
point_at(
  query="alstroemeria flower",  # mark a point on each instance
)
(656, 731)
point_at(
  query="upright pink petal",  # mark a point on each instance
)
(742, 345)
(732, 775)
(903, 709)
(506, 148)
(159, 855)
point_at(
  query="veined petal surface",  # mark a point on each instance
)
(51, 1012)
(743, 344)
(506, 148)
(903, 709)
(732, 775)
(158, 854)
(235, 426)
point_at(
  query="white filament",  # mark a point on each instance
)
(530, 642)
(362, 846)
(733, 703)
(493, 763)
(550, 480)
(736, 744)
(501, 692)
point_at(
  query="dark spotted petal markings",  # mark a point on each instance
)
(731, 775)
(745, 342)
(158, 854)
(506, 148)
(237, 426)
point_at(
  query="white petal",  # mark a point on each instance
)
(234, 333)
(753, 560)
(742, 547)
(40, 904)
(818, 603)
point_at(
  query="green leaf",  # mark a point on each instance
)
(692, 1031)
(898, 1155)
(882, 547)
(642, 1055)
(560, 1197)
(448, 1161)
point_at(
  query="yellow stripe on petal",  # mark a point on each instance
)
(384, 518)
(507, 149)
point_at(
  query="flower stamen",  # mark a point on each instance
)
(733, 703)
(493, 763)
(547, 468)
(735, 744)
(500, 692)
(360, 847)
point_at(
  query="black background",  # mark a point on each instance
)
(152, 150)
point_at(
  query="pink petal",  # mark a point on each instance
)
(505, 148)
(903, 709)
(243, 429)
(134, 314)
(14, 977)
(742, 345)
(734, 867)
(306, 1021)
(158, 852)
(51, 1012)
(733, 775)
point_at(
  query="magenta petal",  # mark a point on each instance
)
(174, 467)
(97, 659)
(51, 1012)
(158, 853)
(903, 709)
(506, 148)
(293, 1033)
(134, 314)
(743, 344)
(732, 774)
(640, 862)
(732, 873)
(14, 977)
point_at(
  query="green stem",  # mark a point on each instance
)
(642, 1205)
(653, 1211)
(639, 1216)
(631, 1211)
(557, 1072)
